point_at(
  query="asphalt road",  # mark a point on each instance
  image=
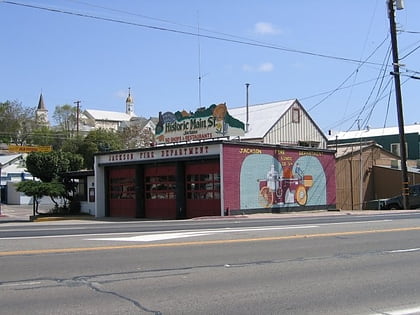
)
(312, 265)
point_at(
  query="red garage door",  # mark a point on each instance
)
(160, 184)
(122, 197)
(203, 189)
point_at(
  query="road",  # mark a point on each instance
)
(303, 265)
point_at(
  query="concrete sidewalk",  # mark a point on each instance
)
(15, 213)
(23, 213)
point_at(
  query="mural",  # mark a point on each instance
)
(275, 178)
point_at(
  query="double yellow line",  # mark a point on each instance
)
(194, 243)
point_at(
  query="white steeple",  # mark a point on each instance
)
(129, 104)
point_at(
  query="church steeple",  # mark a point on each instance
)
(41, 114)
(129, 104)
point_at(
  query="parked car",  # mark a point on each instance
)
(397, 201)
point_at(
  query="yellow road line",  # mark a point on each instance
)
(192, 243)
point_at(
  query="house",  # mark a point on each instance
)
(388, 138)
(13, 170)
(283, 122)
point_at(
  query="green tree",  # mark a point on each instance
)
(50, 169)
(99, 140)
(52, 165)
(16, 122)
(37, 190)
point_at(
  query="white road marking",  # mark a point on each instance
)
(404, 250)
(174, 235)
(406, 311)
(151, 237)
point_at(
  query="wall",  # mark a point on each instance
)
(289, 131)
(350, 182)
(89, 205)
(278, 178)
(388, 181)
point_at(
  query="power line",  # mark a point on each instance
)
(348, 77)
(159, 28)
(410, 32)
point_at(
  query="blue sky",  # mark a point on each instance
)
(302, 49)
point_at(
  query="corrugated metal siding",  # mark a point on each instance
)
(285, 131)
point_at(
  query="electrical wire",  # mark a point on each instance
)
(409, 53)
(166, 29)
(348, 77)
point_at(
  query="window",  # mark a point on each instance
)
(122, 188)
(203, 186)
(395, 148)
(309, 144)
(295, 115)
(160, 187)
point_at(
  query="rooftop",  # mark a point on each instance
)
(373, 132)
(261, 117)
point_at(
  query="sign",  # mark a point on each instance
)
(205, 123)
(27, 148)
(164, 153)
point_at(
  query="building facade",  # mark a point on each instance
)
(212, 178)
(282, 122)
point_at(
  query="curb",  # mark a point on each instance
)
(52, 218)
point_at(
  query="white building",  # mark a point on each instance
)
(282, 122)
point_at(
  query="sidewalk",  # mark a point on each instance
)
(15, 213)
(22, 213)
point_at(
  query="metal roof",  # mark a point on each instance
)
(373, 132)
(107, 115)
(261, 117)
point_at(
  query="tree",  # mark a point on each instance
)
(66, 118)
(52, 165)
(37, 190)
(50, 168)
(16, 122)
(136, 136)
(99, 140)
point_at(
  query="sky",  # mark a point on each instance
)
(333, 56)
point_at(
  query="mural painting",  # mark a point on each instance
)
(276, 178)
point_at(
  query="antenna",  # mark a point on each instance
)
(199, 60)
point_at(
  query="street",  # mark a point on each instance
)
(308, 265)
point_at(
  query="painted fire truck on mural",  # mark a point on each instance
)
(290, 188)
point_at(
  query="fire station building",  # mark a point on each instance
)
(203, 164)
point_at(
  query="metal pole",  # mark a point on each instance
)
(77, 116)
(398, 95)
(247, 107)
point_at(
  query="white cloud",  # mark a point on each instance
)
(264, 67)
(264, 28)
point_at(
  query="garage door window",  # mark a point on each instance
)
(122, 188)
(160, 187)
(203, 186)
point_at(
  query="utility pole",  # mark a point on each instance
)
(77, 117)
(398, 95)
(247, 107)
